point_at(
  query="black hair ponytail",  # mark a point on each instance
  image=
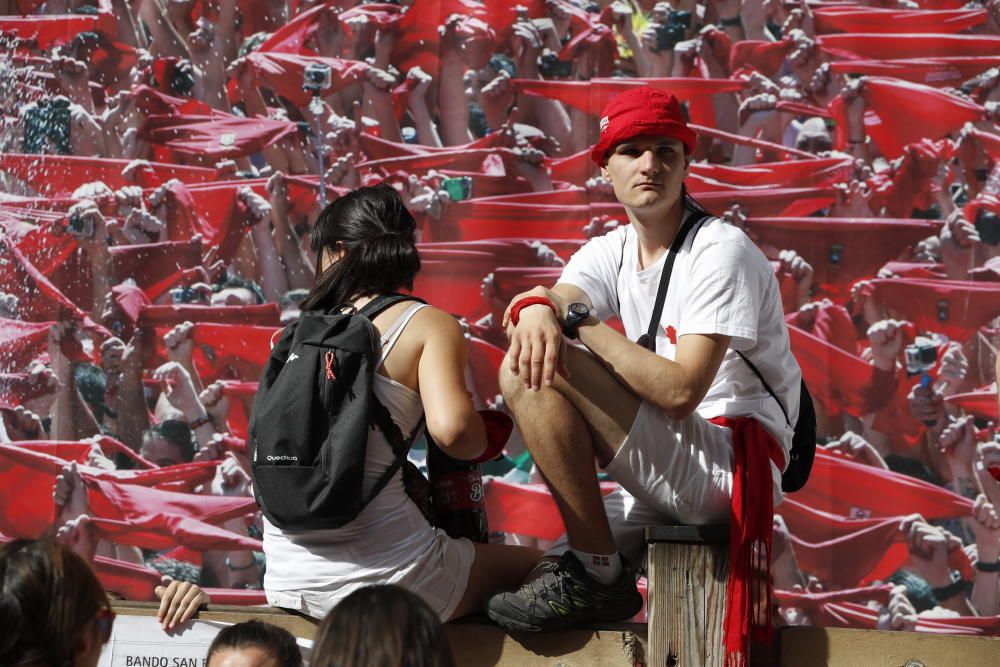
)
(376, 235)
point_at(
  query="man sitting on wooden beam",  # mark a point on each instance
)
(680, 420)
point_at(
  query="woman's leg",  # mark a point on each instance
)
(496, 567)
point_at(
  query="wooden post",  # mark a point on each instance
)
(687, 595)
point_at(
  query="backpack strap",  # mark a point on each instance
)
(766, 386)
(648, 340)
(381, 417)
(400, 447)
(390, 337)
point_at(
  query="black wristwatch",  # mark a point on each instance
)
(575, 313)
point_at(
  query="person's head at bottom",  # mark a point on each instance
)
(53, 610)
(644, 150)
(254, 644)
(381, 626)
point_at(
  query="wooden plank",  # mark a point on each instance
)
(687, 592)
(474, 642)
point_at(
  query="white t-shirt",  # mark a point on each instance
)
(721, 284)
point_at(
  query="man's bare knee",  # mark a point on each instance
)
(511, 385)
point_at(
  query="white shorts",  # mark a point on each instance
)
(672, 471)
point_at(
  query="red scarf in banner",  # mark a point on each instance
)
(576, 168)
(911, 21)
(837, 379)
(509, 282)
(218, 346)
(739, 140)
(38, 297)
(475, 159)
(878, 593)
(377, 148)
(132, 581)
(453, 280)
(592, 96)
(73, 450)
(211, 210)
(909, 187)
(50, 31)
(27, 477)
(765, 57)
(598, 41)
(870, 553)
(751, 520)
(855, 615)
(165, 531)
(842, 487)
(22, 342)
(954, 308)
(503, 14)
(292, 37)
(165, 317)
(841, 250)
(60, 175)
(901, 113)
(816, 172)
(485, 360)
(18, 388)
(214, 137)
(284, 73)
(527, 509)
(152, 102)
(878, 47)
(916, 270)
(831, 323)
(150, 263)
(765, 202)
(937, 72)
(982, 403)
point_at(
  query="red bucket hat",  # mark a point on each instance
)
(642, 110)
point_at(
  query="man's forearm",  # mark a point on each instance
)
(647, 375)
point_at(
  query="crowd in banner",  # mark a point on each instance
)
(162, 163)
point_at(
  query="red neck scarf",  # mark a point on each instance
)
(751, 520)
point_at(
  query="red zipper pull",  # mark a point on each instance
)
(330, 359)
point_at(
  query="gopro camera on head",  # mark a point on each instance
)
(988, 226)
(549, 65)
(921, 356)
(317, 77)
(80, 225)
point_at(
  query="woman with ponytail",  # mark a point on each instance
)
(53, 610)
(365, 247)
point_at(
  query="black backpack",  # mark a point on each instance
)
(311, 418)
(804, 431)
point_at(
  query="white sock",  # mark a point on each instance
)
(605, 568)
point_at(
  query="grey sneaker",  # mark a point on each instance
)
(566, 596)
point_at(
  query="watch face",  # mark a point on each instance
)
(579, 309)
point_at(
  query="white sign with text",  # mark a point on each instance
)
(139, 641)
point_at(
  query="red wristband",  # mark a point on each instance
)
(515, 310)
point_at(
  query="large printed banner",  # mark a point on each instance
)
(161, 172)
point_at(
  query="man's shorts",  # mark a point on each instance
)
(672, 471)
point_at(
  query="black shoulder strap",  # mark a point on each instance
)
(766, 386)
(648, 340)
(381, 417)
(400, 447)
